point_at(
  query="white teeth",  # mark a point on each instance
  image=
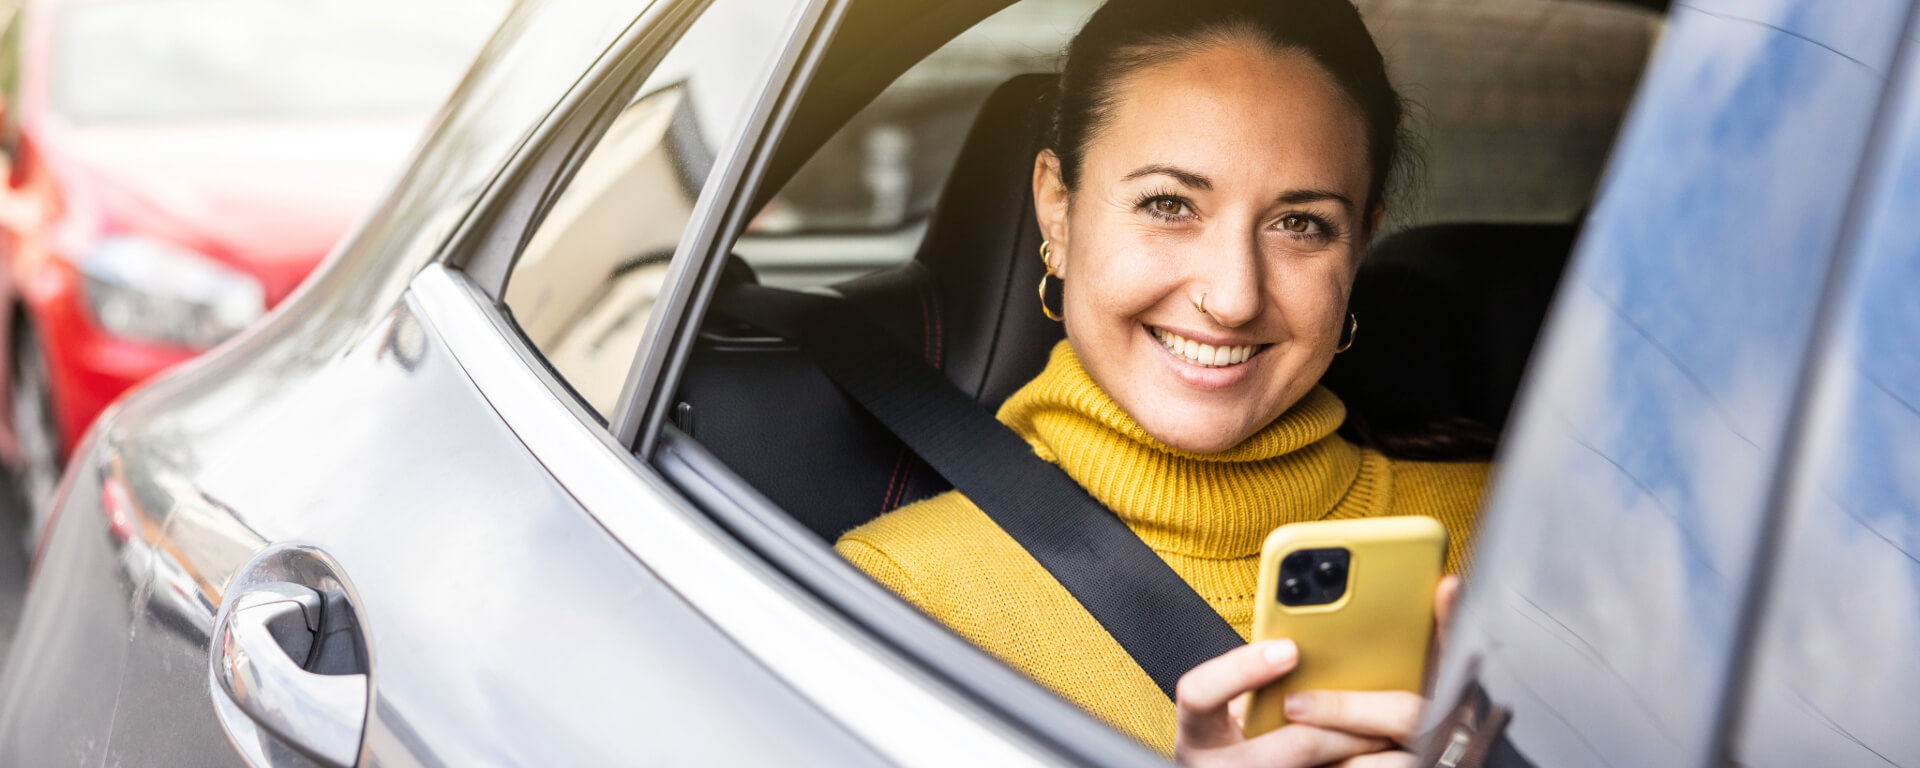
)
(1204, 354)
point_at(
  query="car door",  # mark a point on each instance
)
(340, 465)
(1833, 675)
(1615, 574)
(566, 305)
(258, 448)
(91, 601)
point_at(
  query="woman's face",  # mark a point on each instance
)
(1236, 174)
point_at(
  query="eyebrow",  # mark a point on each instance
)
(1298, 196)
(1186, 177)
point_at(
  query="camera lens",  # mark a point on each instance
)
(1329, 573)
(1298, 562)
(1293, 590)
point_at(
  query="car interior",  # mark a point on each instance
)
(1450, 298)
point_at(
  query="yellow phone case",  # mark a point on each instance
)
(1372, 638)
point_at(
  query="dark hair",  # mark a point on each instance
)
(1126, 35)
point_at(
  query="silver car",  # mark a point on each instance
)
(497, 488)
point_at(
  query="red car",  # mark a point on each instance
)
(175, 168)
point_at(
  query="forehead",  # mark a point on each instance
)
(1236, 112)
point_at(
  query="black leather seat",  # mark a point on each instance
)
(1448, 318)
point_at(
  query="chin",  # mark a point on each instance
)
(1195, 435)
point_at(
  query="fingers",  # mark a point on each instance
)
(1204, 693)
(1444, 600)
(1300, 745)
(1380, 760)
(1391, 715)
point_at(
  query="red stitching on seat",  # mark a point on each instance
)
(899, 479)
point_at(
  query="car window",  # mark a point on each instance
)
(862, 200)
(1605, 605)
(1517, 102)
(583, 288)
(1527, 115)
(1835, 674)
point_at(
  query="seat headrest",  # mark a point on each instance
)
(982, 247)
(1448, 317)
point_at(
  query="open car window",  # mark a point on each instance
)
(1517, 104)
(1521, 101)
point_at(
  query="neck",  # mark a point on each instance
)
(1214, 505)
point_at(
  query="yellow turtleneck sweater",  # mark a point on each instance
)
(1207, 515)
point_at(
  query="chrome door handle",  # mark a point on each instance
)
(321, 715)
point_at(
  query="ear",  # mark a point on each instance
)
(1050, 203)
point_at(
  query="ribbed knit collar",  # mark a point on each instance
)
(1211, 506)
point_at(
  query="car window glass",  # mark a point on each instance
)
(1518, 103)
(583, 288)
(1604, 606)
(862, 201)
(1835, 673)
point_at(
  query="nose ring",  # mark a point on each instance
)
(1202, 303)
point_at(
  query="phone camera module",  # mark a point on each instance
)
(1329, 573)
(1314, 576)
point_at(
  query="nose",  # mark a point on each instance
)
(1230, 280)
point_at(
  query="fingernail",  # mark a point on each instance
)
(1296, 705)
(1280, 652)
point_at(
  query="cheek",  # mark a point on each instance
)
(1312, 300)
(1114, 279)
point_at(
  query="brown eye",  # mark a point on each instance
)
(1297, 224)
(1169, 206)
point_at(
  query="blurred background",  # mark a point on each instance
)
(173, 169)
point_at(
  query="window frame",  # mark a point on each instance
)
(486, 246)
(475, 267)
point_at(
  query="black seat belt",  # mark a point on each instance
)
(1154, 614)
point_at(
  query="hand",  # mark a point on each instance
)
(1349, 728)
(1389, 715)
(1211, 710)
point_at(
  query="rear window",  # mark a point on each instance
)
(1516, 103)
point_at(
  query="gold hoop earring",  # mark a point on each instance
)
(1046, 257)
(1346, 339)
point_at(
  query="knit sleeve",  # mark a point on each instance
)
(883, 568)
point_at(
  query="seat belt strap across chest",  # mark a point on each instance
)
(1154, 614)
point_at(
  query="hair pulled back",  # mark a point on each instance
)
(1127, 35)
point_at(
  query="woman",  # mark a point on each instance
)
(1216, 171)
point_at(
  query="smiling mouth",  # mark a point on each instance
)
(1204, 355)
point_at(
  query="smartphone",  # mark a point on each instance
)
(1357, 596)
